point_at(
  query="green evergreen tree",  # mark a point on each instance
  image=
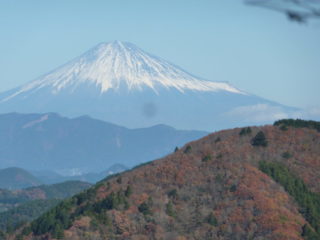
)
(144, 208)
(212, 220)
(308, 233)
(128, 191)
(58, 232)
(188, 149)
(170, 209)
(259, 140)
(206, 158)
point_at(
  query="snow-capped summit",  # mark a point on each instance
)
(115, 64)
(120, 83)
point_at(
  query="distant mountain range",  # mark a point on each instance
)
(57, 191)
(243, 183)
(122, 84)
(20, 206)
(17, 178)
(12, 198)
(81, 145)
(51, 177)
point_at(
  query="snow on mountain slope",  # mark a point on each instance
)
(120, 83)
(110, 65)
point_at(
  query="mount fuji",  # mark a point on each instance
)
(122, 84)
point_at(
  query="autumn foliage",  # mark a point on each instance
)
(208, 189)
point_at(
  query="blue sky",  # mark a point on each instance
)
(254, 49)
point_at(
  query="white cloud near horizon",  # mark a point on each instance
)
(267, 113)
(311, 113)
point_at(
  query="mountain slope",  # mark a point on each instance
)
(12, 198)
(21, 206)
(120, 83)
(16, 178)
(213, 188)
(25, 212)
(72, 146)
(115, 65)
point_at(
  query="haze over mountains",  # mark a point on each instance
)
(17, 178)
(20, 206)
(52, 177)
(14, 178)
(81, 145)
(122, 84)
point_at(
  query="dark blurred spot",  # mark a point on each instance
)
(149, 110)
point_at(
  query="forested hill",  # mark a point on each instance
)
(249, 183)
(57, 191)
(21, 206)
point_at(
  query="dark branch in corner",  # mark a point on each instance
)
(296, 10)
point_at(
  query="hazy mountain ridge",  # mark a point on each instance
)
(57, 191)
(17, 178)
(20, 206)
(50, 177)
(50, 141)
(25, 212)
(210, 188)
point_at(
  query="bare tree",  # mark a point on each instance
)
(296, 10)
